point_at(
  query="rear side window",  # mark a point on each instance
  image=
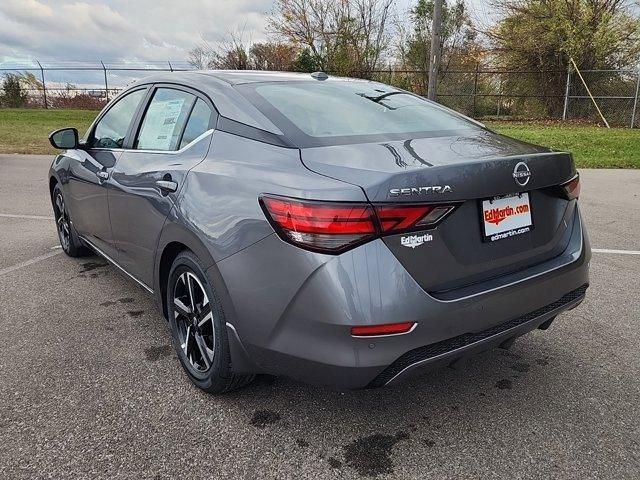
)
(112, 127)
(165, 120)
(197, 124)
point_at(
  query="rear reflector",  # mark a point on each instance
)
(572, 187)
(387, 329)
(332, 227)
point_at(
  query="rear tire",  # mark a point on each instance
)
(198, 327)
(67, 235)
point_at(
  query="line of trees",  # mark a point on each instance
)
(372, 39)
(19, 90)
(358, 37)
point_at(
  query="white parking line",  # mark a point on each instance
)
(26, 217)
(26, 263)
(619, 252)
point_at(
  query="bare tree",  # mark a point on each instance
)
(344, 36)
(200, 56)
(232, 53)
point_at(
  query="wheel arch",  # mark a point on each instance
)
(173, 240)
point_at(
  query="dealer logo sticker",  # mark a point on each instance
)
(521, 174)
(413, 241)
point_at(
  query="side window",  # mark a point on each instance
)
(164, 120)
(112, 127)
(198, 123)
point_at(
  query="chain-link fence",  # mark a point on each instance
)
(84, 85)
(478, 93)
(560, 95)
(616, 92)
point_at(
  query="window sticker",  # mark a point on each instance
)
(160, 131)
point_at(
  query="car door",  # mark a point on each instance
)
(174, 134)
(88, 173)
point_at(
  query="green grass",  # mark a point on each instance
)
(26, 131)
(592, 146)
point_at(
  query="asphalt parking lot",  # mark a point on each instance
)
(90, 386)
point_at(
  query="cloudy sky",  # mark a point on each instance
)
(129, 30)
(119, 29)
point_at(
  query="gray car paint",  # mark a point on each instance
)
(306, 308)
(134, 194)
(479, 165)
(86, 194)
(288, 309)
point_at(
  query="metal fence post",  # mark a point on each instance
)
(566, 94)
(635, 102)
(44, 85)
(106, 85)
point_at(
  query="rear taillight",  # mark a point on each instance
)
(333, 227)
(572, 187)
(401, 218)
(329, 226)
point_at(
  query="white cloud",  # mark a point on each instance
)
(28, 10)
(122, 30)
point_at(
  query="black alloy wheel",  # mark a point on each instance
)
(69, 240)
(198, 327)
(62, 222)
(194, 321)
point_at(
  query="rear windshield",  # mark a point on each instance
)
(321, 113)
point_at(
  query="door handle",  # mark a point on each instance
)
(167, 185)
(102, 175)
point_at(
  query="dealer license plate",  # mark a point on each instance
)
(505, 217)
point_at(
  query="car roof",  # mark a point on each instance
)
(237, 77)
(219, 85)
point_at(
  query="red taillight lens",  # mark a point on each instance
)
(387, 329)
(322, 226)
(395, 218)
(332, 227)
(572, 187)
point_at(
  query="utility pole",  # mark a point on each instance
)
(434, 59)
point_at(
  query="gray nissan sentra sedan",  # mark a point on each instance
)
(337, 231)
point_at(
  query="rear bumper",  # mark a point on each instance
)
(451, 350)
(294, 317)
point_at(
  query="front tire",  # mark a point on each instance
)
(69, 240)
(198, 327)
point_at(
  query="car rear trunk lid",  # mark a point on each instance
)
(463, 170)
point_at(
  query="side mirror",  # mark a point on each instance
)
(64, 139)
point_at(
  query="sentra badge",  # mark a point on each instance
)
(396, 192)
